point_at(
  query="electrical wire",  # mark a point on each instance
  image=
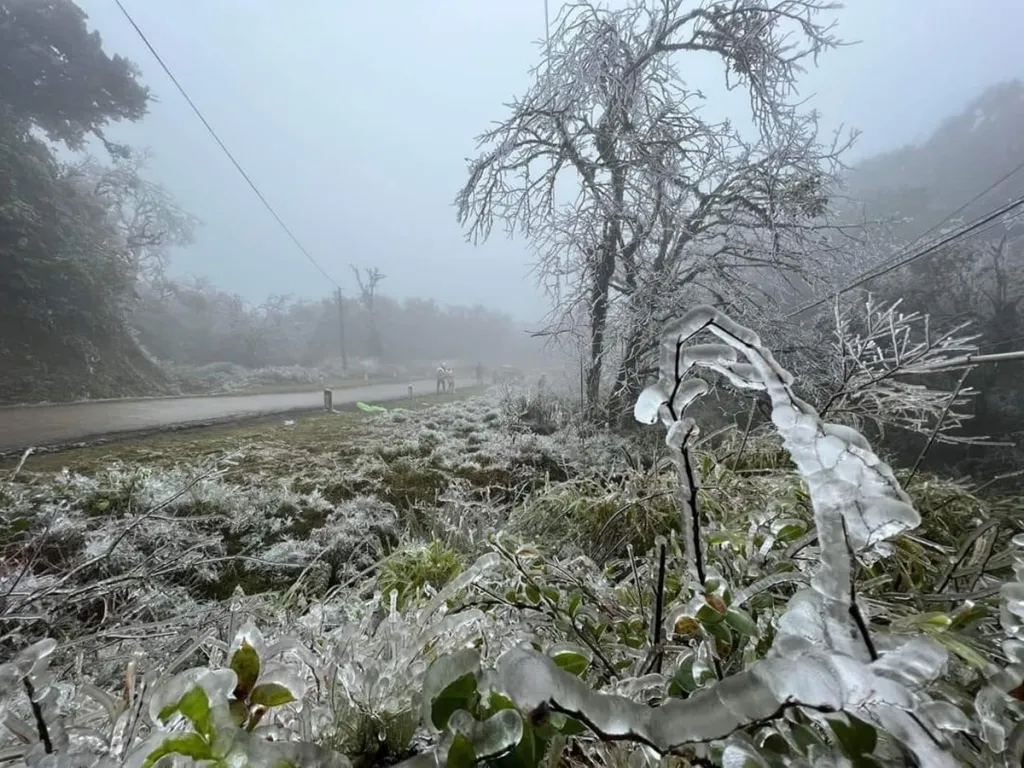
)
(927, 251)
(220, 143)
(997, 183)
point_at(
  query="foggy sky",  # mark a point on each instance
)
(354, 119)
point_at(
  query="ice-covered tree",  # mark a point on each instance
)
(608, 166)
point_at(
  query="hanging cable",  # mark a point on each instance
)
(224, 149)
(929, 250)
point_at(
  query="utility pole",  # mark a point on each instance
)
(341, 329)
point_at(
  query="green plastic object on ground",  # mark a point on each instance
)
(370, 408)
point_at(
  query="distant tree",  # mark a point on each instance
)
(191, 321)
(622, 186)
(56, 75)
(66, 273)
(65, 283)
(144, 213)
(367, 297)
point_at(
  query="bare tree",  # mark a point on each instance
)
(144, 213)
(648, 190)
(367, 297)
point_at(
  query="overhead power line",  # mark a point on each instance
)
(927, 251)
(870, 274)
(998, 182)
(227, 152)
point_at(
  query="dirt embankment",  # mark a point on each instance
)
(43, 367)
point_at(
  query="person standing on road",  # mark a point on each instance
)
(480, 375)
(442, 378)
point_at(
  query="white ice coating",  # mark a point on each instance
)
(818, 660)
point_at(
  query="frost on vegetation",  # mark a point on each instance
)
(999, 705)
(823, 659)
(878, 360)
(268, 701)
(482, 667)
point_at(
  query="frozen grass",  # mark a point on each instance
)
(146, 553)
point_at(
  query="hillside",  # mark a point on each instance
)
(966, 153)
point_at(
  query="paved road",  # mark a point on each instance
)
(60, 424)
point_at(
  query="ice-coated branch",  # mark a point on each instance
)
(856, 498)
(818, 661)
(998, 705)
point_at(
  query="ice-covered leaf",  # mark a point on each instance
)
(277, 687)
(188, 745)
(856, 736)
(195, 707)
(492, 737)
(33, 659)
(217, 685)
(271, 695)
(461, 753)
(249, 634)
(741, 621)
(647, 409)
(245, 663)
(573, 659)
(449, 685)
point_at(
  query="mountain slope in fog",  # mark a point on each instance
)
(966, 153)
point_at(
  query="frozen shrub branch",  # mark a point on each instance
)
(819, 661)
(880, 356)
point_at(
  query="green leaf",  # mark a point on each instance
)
(246, 665)
(708, 616)
(495, 736)
(805, 737)
(969, 615)
(446, 687)
(574, 604)
(532, 594)
(960, 648)
(497, 702)
(567, 726)
(239, 712)
(20, 524)
(271, 695)
(572, 662)
(856, 736)
(683, 676)
(933, 620)
(461, 753)
(790, 532)
(457, 695)
(741, 621)
(528, 752)
(775, 743)
(194, 705)
(189, 744)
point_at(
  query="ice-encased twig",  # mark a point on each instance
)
(816, 662)
(998, 713)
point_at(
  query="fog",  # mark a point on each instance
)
(355, 118)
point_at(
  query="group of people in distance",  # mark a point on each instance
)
(446, 377)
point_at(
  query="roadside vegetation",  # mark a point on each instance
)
(738, 535)
(355, 553)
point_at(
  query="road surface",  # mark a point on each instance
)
(60, 424)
